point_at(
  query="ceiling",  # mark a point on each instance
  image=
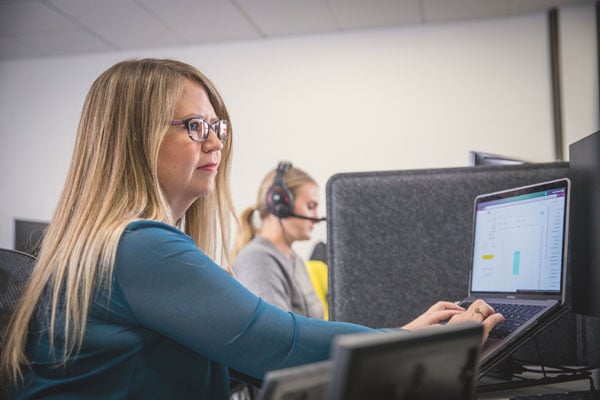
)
(46, 28)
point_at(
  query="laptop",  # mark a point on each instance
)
(426, 364)
(519, 262)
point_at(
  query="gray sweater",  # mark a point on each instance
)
(278, 279)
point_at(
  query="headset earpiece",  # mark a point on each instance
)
(279, 199)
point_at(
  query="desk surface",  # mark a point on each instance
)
(570, 386)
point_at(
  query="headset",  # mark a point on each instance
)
(280, 199)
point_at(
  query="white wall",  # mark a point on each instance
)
(413, 97)
(579, 67)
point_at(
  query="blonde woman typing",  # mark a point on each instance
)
(125, 300)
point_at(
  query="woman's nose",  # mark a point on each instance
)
(212, 143)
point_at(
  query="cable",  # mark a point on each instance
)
(539, 354)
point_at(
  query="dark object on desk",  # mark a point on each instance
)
(428, 364)
(578, 395)
(307, 382)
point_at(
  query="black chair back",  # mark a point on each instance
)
(15, 269)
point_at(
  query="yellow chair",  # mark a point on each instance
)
(317, 270)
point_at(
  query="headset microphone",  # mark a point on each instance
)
(279, 198)
(308, 218)
(313, 219)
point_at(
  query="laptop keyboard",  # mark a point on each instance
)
(515, 315)
(579, 395)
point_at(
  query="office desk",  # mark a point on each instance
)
(570, 386)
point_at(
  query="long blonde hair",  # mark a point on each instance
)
(294, 178)
(112, 180)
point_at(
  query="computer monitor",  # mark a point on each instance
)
(584, 162)
(435, 363)
(307, 382)
(478, 158)
(28, 235)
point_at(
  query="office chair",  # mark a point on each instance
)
(317, 272)
(15, 269)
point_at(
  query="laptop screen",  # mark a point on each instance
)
(520, 239)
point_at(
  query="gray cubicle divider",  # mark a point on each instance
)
(398, 241)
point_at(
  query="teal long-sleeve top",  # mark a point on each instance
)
(172, 326)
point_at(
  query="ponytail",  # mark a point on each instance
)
(245, 233)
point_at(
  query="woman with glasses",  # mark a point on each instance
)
(263, 258)
(125, 300)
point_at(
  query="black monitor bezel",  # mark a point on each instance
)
(355, 355)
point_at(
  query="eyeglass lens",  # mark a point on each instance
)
(199, 129)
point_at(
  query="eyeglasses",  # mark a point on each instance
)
(199, 129)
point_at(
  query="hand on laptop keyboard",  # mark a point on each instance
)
(445, 311)
(440, 311)
(514, 316)
(480, 311)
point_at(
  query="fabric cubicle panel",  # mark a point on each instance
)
(400, 240)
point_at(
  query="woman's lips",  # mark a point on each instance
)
(209, 167)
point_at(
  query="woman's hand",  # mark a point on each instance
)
(478, 311)
(482, 312)
(439, 312)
